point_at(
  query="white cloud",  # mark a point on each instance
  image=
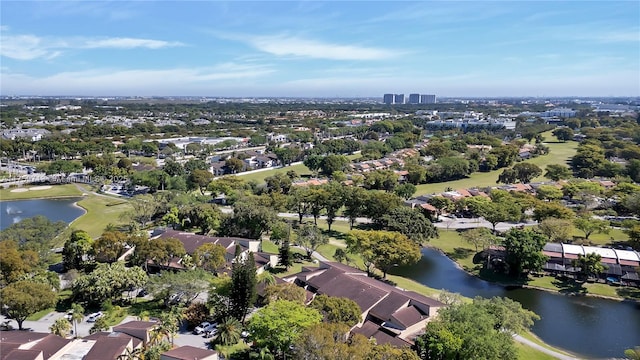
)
(175, 81)
(127, 43)
(29, 47)
(293, 46)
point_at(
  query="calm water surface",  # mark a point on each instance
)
(589, 327)
(12, 212)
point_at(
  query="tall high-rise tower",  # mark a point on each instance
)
(387, 99)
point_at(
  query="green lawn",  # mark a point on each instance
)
(56, 191)
(528, 353)
(101, 211)
(559, 153)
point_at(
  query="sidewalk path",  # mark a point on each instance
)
(543, 349)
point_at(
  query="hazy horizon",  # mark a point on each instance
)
(321, 49)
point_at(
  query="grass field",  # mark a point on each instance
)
(559, 153)
(101, 211)
(55, 191)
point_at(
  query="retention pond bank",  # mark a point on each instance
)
(587, 326)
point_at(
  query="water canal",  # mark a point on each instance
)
(587, 326)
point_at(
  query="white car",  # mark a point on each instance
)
(201, 328)
(95, 316)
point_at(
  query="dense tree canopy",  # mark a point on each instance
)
(23, 298)
(383, 249)
(524, 250)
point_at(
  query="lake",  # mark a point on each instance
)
(12, 212)
(587, 326)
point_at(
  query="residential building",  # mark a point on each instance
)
(414, 98)
(189, 353)
(398, 99)
(389, 315)
(387, 99)
(427, 99)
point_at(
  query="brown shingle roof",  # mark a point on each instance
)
(21, 354)
(21, 337)
(107, 347)
(50, 345)
(408, 316)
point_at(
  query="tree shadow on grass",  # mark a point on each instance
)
(629, 293)
(569, 286)
(460, 253)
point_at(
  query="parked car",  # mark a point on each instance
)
(201, 328)
(95, 316)
(211, 332)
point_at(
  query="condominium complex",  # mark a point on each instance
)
(391, 99)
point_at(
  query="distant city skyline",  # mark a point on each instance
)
(320, 49)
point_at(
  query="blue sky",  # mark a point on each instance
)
(311, 48)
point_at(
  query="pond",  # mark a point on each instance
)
(587, 326)
(12, 212)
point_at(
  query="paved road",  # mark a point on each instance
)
(543, 349)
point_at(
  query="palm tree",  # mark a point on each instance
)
(76, 316)
(229, 332)
(61, 327)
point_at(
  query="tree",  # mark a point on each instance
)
(60, 327)
(588, 160)
(524, 250)
(479, 236)
(331, 341)
(235, 165)
(229, 332)
(556, 230)
(77, 314)
(405, 190)
(411, 223)
(207, 217)
(318, 197)
(160, 251)
(195, 314)
(589, 265)
(300, 199)
(441, 204)
(144, 208)
(378, 204)
(381, 180)
(500, 211)
(337, 309)
(313, 162)
(36, 233)
(479, 330)
(24, 298)
(110, 246)
(243, 291)
(384, 249)
(310, 238)
(188, 283)
(285, 255)
(101, 324)
(285, 291)
(590, 225)
(279, 182)
(556, 210)
(633, 354)
(64, 167)
(210, 256)
(332, 163)
(334, 200)
(199, 179)
(563, 133)
(77, 250)
(249, 220)
(548, 192)
(16, 263)
(354, 205)
(557, 172)
(279, 324)
(417, 174)
(508, 176)
(107, 282)
(525, 172)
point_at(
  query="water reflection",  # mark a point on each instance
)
(12, 212)
(587, 326)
